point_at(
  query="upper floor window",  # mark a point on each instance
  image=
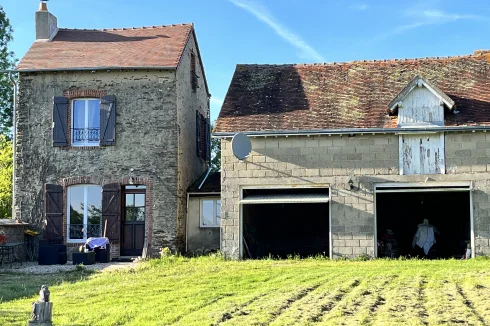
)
(92, 121)
(210, 212)
(85, 122)
(84, 217)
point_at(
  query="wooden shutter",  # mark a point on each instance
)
(60, 121)
(108, 120)
(208, 140)
(111, 210)
(198, 133)
(53, 212)
(422, 154)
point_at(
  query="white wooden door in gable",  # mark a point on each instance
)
(421, 107)
(422, 154)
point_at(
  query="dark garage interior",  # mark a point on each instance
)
(288, 228)
(400, 213)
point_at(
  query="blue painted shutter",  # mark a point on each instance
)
(108, 120)
(53, 212)
(111, 210)
(60, 121)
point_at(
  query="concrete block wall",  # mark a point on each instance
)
(331, 161)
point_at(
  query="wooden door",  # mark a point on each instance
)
(133, 230)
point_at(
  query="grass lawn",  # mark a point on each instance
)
(210, 291)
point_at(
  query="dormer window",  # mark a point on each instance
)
(85, 122)
(421, 105)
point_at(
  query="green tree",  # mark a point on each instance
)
(5, 177)
(7, 61)
(215, 152)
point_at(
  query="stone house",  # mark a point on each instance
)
(354, 158)
(112, 127)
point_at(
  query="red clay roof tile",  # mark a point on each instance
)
(349, 95)
(159, 46)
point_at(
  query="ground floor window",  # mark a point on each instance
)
(84, 218)
(210, 212)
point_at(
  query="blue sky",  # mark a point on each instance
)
(281, 31)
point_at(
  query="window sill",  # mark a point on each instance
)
(209, 226)
(80, 241)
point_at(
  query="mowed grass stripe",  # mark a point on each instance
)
(372, 297)
(444, 305)
(404, 299)
(355, 307)
(477, 290)
(266, 308)
(228, 307)
(307, 308)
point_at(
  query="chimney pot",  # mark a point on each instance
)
(46, 23)
(43, 6)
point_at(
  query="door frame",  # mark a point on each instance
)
(123, 215)
(437, 186)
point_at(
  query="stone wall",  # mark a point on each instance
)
(146, 141)
(190, 166)
(331, 161)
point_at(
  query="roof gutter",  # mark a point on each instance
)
(352, 131)
(97, 68)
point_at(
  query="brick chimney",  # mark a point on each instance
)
(46, 23)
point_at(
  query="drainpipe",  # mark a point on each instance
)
(14, 137)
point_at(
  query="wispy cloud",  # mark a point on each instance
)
(358, 6)
(427, 17)
(261, 13)
(217, 101)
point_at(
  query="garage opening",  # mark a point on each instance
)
(404, 219)
(285, 222)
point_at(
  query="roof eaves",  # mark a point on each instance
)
(353, 131)
(98, 68)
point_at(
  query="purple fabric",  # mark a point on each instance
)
(97, 242)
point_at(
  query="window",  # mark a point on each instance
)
(85, 122)
(203, 136)
(210, 212)
(135, 207)
(84, 212)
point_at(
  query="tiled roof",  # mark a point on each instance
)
(212, 183)
(159, 46)
(350, 95)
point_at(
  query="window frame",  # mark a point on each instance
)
(85, 211)
(215, 215)
(72, 106)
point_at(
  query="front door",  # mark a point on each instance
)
(133, 228)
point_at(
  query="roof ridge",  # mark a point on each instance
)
(125, 28)
(477, 53)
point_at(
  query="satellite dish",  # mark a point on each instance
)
(241, 146)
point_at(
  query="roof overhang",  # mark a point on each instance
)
(286, 199)
(354, 131)
(419, 81)
(98, 68)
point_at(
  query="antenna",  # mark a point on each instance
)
(241, 146)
